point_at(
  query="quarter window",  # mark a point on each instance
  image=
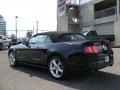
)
(48, 40)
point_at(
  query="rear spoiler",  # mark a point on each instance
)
(111, 38)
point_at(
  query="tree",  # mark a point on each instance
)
(29, 34)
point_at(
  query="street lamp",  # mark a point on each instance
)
(37, 26)
(80, 17)
(16, 17)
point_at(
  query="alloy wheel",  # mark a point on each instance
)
(12, 59)
(56, 68)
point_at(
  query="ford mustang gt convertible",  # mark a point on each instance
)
(62, 52)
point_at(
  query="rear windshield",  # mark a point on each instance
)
(72, 37)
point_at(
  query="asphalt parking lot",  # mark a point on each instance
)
(30, 78)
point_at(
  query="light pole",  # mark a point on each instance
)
(16, 17)
(37, 26)
(80, 17)
(33, 30)
(118, 9)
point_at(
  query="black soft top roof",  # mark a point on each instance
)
(55, 36)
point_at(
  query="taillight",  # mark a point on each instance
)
(91, 50)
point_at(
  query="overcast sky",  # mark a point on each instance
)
(28, 12)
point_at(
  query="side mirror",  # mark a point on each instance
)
(26, 42)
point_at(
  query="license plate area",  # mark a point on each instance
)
(107, 59)
(102, 48)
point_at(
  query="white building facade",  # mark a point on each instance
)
(102, 16)
(2, 26)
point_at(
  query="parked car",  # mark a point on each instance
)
(62, 52)
(14, 41)
(4, 42)
(90, 34)
(94, 35)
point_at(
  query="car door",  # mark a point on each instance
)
(24, 54)
(38, 49)
(4, 41)
(41, 51)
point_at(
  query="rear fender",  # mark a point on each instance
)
(55, 54)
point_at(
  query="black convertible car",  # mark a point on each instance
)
(62, 52)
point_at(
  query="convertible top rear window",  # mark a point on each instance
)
(72, 37)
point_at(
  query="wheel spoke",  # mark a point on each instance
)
(52, 68)
(60, 70)
(54, 62)
(59, 63)
(56, 72)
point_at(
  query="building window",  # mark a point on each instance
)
(105, 8)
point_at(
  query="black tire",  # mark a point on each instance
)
(12, 59)
(60, 68)
(9, 45)
(1, 46)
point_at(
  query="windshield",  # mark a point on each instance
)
(72, 37)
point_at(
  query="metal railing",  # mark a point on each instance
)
(106, 12)
(77, 2)
(84, 1)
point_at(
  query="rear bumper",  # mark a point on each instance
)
(100, 64)
(84, 62)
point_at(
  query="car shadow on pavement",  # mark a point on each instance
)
(98, 81)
